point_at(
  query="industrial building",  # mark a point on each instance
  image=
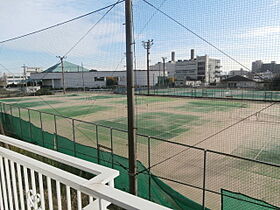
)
(259, 67)
(200, 68)
(168, 69)
(76, 76)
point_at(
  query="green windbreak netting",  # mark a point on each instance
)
(149, 186)
(233, 200)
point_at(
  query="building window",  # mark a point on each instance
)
(102, 79)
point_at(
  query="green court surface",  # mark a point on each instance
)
(157, 124)
(147, 100)
(269, 153)
(100, 97)
(37, 103)
(76, 110)
(207, 106)
(19, 99)
(69, 95)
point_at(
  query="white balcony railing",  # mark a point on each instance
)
(27, 183)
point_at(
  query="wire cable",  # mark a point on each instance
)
(59, 24)
(92, 27)
(197, 35)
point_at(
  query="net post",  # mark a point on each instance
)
(42, 132)
(74, 137)
(55, 133)
(112, 148)
(149, 165)
(97, 143)
(29, 118)
(204, 178)
(20, 124)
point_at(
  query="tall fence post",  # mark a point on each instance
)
(20, 123)
(12, 119)
(1, 112)
(204, 179)
(112, 148)
(149, 165)
(55, 134)
(74, 137)
(30, 128)
(11, 110)
(42, 129)
(97, 143)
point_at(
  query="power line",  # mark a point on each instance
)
(92, 27)
(59, 24)
(197, 35)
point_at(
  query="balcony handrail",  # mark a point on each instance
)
(94, 187)
(105, 174)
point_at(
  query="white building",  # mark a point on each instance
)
(170, 67)
(20, 78)
(201, 68)
(29, 70)
(240, 72)
(13, 79)
(52, 77)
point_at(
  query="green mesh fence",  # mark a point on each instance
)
(233, 200)
(149, 186)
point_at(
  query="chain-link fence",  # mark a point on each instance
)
(173, 174)
(212, 93)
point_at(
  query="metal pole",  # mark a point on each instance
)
(112, 149)
(204, 178)
(147, 45)
(97, 143)
(30, 129)
(62, 69)
(42, 129)
(20, 124)
(154, 83)
(12, 119)
(83, 78)
(55, 134)
(74, 137)
(130, 99)
(148, 68)
(163, 69)
(149, 165)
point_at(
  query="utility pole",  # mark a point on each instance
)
(163, 69)
(147, 45)
(132, 151)
(61, 58)
(83, 77)
(24, 74)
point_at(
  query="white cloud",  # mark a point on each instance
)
(274, 3)
(19, 17)
(264, 31)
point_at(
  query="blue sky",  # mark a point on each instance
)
(247, 30)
